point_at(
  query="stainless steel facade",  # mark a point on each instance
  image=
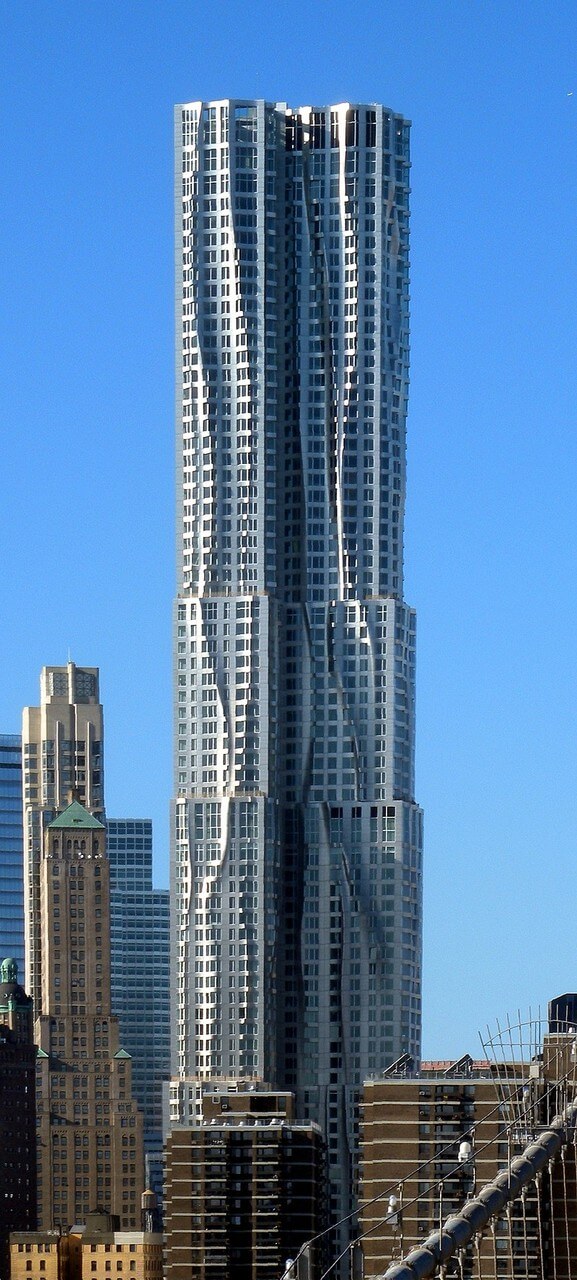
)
(296, 856)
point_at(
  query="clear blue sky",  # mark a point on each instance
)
(86, 404)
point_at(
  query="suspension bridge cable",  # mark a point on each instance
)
(394, 1186)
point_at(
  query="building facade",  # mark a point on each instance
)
(62, 747)
(11, 850)
(35, 1253)
(433, 1138)
(89, 1127)
(140, 974)
(296, 853)
(244, 1188)
(91, 1251)
(17, 1111)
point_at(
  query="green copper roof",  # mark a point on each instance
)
(9, 970)
(12, 995)
(76, 816)
(122, 1054)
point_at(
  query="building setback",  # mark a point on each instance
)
(89, 1128)
(244, 1188)
(296, 839)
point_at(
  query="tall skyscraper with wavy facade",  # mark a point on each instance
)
(296, 858)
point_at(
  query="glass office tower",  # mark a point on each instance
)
(296, 858)
(140, 975)
(11, 850)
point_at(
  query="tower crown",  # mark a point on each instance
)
(75, 815)
(8, 970)
(12, 995)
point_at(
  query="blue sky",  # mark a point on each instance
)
(86, 414)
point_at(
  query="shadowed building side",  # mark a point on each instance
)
(17, 1111)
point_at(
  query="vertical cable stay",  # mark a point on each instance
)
(510, 1227)
(540, 1225)
(566, 1207)
(494, 1224)
(552, 1233)
(525, 1242)
(478, 1243)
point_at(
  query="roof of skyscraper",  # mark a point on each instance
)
(76, 816)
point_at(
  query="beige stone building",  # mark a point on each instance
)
(35, 1254)
(62, 750)
(89, 1127)
(96, 1251)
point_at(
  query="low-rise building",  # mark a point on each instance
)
(39, 1253)
(96, 1250)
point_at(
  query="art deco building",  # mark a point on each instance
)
(296, 858)
(17, 1111)
(11, 850)
(62, 742)
(244, 1188)
(89, 1128)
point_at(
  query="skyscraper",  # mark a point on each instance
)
(296, 858)
(62, 752)
(140, 974)
(11, 852)
(89, 1129)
